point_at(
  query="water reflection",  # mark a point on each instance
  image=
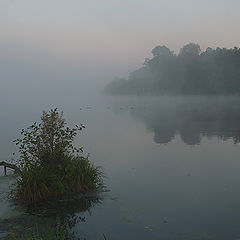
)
(187, 193)
(65, 213)
(191, 117)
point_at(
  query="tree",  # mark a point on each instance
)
(191, 49)
(214, 71)
(161, 51)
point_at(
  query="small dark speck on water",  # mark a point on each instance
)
(113, 198)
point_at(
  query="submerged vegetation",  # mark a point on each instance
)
(50, 165)
(49, 234)
(193, 72)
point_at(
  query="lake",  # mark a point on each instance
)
(171, 166)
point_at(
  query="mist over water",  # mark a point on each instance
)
(171, 165)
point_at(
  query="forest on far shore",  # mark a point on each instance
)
(192, 72)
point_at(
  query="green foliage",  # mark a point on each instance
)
(50, 164)
(33, 185)
(81, 174)
(48, 141)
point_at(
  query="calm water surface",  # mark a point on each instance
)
(172, 166)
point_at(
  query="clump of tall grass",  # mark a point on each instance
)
(50, 165)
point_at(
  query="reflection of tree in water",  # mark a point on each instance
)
(64, 213)
(192, 120)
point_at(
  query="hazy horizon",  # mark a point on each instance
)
(89, 43)
(165, 134)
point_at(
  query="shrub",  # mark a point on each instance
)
(49, 162)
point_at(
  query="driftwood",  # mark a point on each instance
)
(9, 165)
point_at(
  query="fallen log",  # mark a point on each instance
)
(9, 165)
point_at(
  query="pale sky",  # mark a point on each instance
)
(110, 37)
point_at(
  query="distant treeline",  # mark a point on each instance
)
(214, 71)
